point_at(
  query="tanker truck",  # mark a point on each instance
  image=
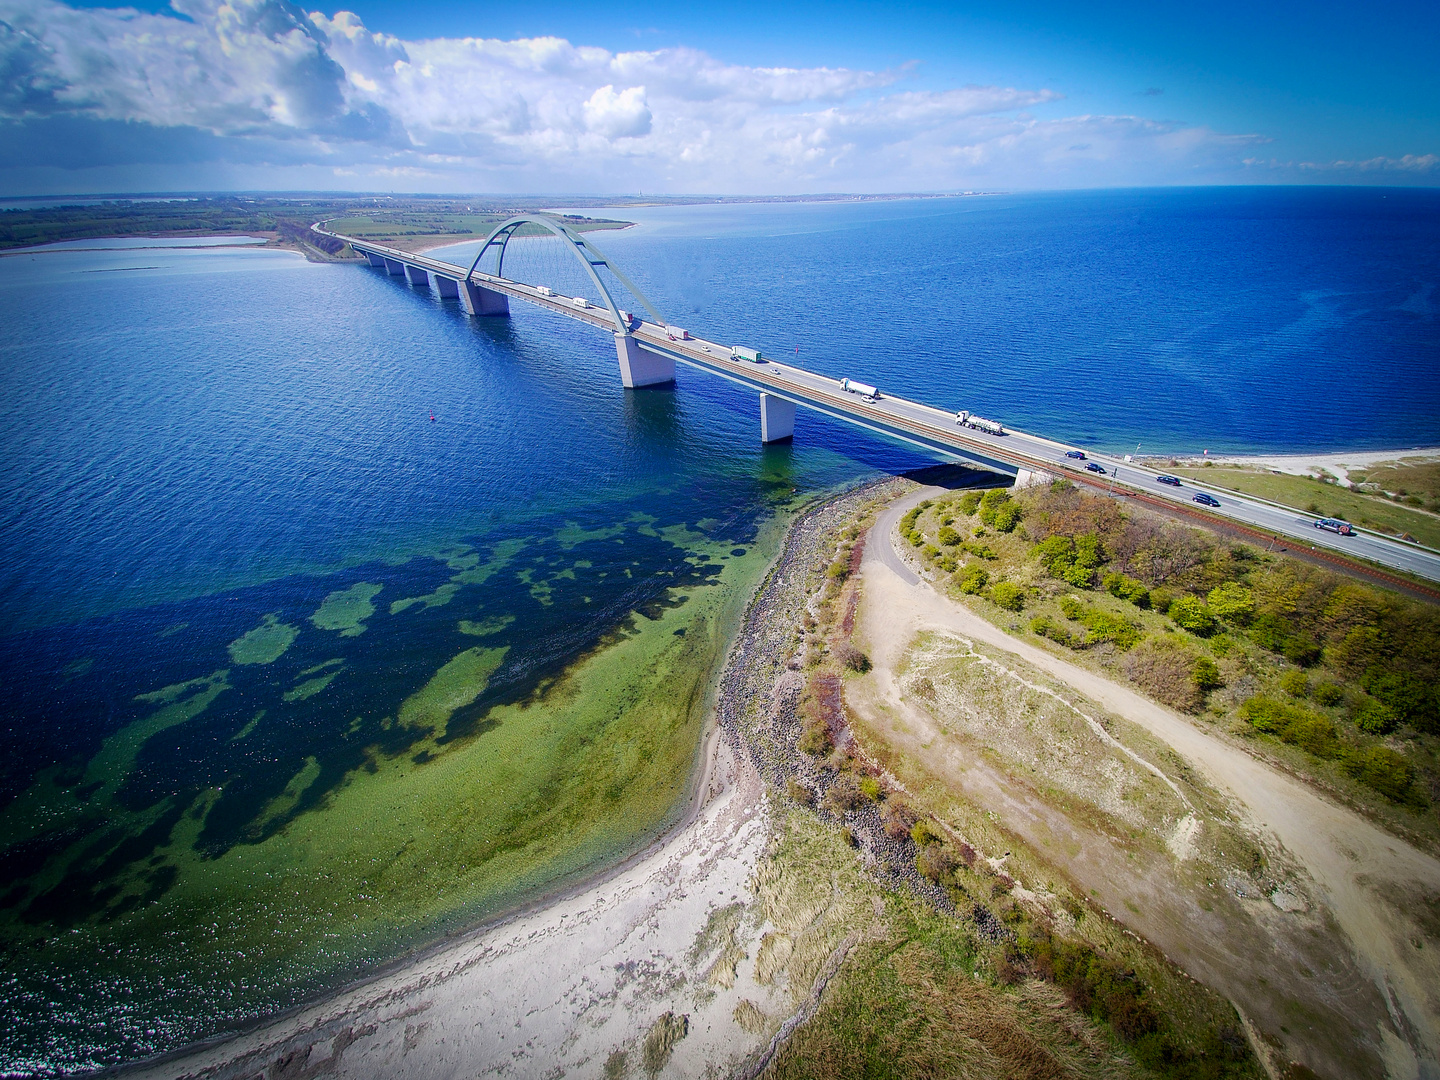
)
(850, 386)
(979, 423)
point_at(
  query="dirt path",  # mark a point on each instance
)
(1380, 891)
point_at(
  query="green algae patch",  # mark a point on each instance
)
(347, 610)
(469, 571)
(448, 812)
(308, 688)
(485, 627)
(454, 686)
(572, 535)
(265, 644)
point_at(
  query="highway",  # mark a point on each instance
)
(936, 430)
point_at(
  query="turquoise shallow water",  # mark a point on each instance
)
(201, 445)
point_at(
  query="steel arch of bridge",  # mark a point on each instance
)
(589, 255)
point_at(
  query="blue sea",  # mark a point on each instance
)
(256, 510)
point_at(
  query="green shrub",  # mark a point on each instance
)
(931, 551)
(991, 501)
(1409, 698)
(1385, 771)
(1206, 675)
(1232, 602)
(1082, 577)
(849, 656)
(916, 538)
(980, 551)
(1127, 588)
(1007, 517)
(969, 503)
(1161, 599)
(1295, 683)
(973, 579)
(948, 536)
(840, 568)
(924, 504)
(1292, 724)
(1376, 718)
(1087, 551)
(799, 792)
(870, 788)
(948, 564)
(924, 833)
(1008, 595)
(1190, 613)
(1049, 628)
(1329, 693)
(1056, 554)
(1101, 625)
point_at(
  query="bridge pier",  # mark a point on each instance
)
(396, 268)
(447, 287)
(641, 368)
(416, 276)
(477, 300)
(376, 261)
(777, 418)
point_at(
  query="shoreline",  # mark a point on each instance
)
(725, 816)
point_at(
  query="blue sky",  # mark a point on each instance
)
(735, 98)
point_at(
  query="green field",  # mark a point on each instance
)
(1311, 496)
(407, 222)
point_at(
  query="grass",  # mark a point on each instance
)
(1331, 500)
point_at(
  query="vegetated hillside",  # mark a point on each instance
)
(1334, 677)
(973, 956)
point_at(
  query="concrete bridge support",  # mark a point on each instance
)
(477, 300)
(777, 419)
(376, 261)
(396, 269)
(416, 276)
(641, 368)
(447, 287)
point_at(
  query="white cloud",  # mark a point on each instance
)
(1410, 163)
(618, 116)
(265, 82)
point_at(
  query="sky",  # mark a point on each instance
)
(736, 98)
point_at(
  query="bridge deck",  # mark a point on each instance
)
(936, 430)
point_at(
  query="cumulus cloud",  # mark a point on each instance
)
(263, 81)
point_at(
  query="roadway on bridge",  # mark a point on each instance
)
(936, 429)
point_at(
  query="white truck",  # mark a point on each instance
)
(739, 352)
(580, 301)
(850, 386)
(979, 423)
(677, 333)
(544, 290)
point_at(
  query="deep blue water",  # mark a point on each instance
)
(194, 440)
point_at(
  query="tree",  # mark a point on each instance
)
(1190, 613)
(1232, 602)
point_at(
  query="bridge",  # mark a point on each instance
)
(649, 348)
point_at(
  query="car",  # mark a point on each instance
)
(1095, 466)
(1208, 500)
(1078, 455)
(1335, 525)
(867, 399)
(1173, 481)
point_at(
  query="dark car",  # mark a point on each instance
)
(1335, 525)
(1173, 481)
(1208, 500)
(1078, 455)
(1095, 466)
